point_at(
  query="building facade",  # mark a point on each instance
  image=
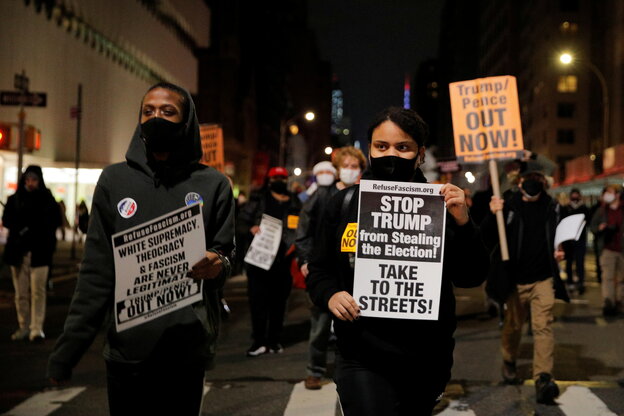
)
(115, 50)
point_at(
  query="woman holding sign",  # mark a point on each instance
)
(170, 222)
(385, 365)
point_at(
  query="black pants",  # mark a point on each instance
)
(268, 292)
(575, 256)
(156, 388)
(390, 392)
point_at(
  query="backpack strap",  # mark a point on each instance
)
(344, 211)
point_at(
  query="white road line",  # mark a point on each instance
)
(457, 408)
(580, 401)
(44, 403)
(305, 402)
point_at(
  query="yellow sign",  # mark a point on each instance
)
(212, 145)
(486, 119)
(349, 238)
(293, 221)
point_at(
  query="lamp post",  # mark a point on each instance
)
(309, 116)
(567, 59)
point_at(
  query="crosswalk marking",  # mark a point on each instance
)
(457, 408)
(576, 400)
(305, 402)
(580, 401)
(44, 403)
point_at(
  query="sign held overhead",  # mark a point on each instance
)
(486, 119)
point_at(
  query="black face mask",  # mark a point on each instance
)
(279, 187)
(532, 187)
(393, 168)
(161, 135)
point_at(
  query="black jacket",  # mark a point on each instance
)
(417, 347)
(502, 278)
(189, 332)
(32, 219)
(310, 221)
(252, 212)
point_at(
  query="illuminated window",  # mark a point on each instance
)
(567, 83)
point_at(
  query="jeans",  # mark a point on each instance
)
(612, 286)
(30, 295)
(320, 331)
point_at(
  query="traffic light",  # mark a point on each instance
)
(5, 135)
(32, 139)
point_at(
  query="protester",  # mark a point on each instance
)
(157, 366)
(82, 220)
(64, 222)
(32, 216)
(575, 250)
(351, 163)
(268, 290)
(512, 171)
(393, 366)
(596, 244)
(608, 226)
(531, 219)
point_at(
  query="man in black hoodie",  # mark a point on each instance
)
(156, 367)
(32, 217)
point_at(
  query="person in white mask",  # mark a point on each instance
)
(607, 224)
(350, 163)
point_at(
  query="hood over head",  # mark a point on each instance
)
(31, 170)
(184, 159)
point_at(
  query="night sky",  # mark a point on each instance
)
(371, 45)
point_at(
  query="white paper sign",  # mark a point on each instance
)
(569, 228)
(400, 249)
(265, 243)
(151, 264)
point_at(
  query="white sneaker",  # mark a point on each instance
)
(20, 335)
(256, 350)
(37, 336)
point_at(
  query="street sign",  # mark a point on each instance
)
(30, 99)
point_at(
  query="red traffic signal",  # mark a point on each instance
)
(5, 135)
(32, 139)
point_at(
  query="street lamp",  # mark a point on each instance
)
(567, 59)
(284, 124)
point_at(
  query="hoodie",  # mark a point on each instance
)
(32, 218)
(189, 332)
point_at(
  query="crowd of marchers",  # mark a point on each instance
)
(381, 364)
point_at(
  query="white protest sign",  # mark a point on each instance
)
(400, 249)
(151, 263)
(569, 228)
(265, 243)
